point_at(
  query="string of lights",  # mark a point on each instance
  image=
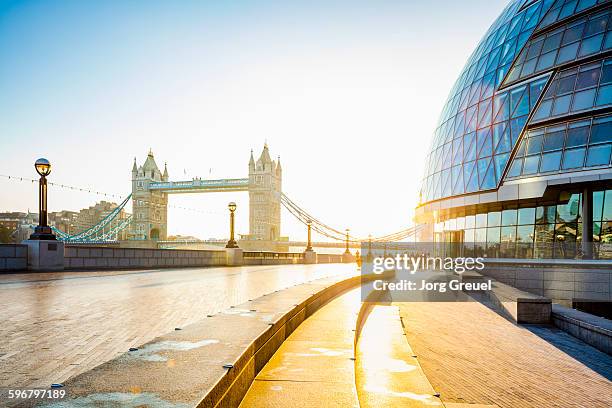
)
(103, 194)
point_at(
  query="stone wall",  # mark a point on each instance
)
(84, 257)
(329, 258)
(13, 257)
(561, 280)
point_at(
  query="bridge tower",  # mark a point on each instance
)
(265, 187)
(149, 207)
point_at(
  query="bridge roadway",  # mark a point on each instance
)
(56, 325)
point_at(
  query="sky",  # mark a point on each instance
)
(347, 93)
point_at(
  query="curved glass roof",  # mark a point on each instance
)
(500, 87)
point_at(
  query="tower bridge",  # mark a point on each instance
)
(151, 187)
(148, 224)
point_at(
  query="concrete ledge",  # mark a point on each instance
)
(210, 363)
(520, 306)
(13, 257)
(593, 330)
(96, 258)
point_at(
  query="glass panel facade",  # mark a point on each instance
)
(563, 9)
(577, 89)
(562, 147)
(552, 231)
(578, 39)
(478, 127)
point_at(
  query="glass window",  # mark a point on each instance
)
(524, 241)
(591, 45)
(493, 241)
(544, 238)
(606, 75)
(562, 104)
(543, 110)
(509, 217)
(596, 25)
(526, 215)
(569, 212)
(531, 164)
(555, 136)
(508, 238)
(470, 221)
(550, 161)
(545, 214)
(480, 235)
(552, 42)
(588, 78)
(494, 219)
(577, 133)
(515, 168)
(602, 130)
(481, 220)
(598, 198)
(567, 53)
(535, 144)
(607, 208)
(585, 4)
(573, 33)
(584, 99)
(604, 96)
(546, 60)
(573, 158)
(598, 155)
(534, 49)
(460, 223)
(566, 84)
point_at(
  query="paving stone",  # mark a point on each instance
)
(471, 354)
(56, 325)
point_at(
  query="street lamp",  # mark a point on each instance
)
(42, 230)
(309, 246)
(232, 242)
(347, 242)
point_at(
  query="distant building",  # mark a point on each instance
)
(19, 223)
(88, 217)
(64, 220)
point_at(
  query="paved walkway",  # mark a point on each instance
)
(314, 367)
(56, 325)
(472, 355)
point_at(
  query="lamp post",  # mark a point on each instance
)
(309, 245)
(232, 242)
(42, 231)
(346, 251)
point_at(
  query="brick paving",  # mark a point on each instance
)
(472, 355)
(56, 325)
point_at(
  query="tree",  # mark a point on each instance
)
(5, 235)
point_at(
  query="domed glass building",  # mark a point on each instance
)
(520, 160)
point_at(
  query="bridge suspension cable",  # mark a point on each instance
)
(334, 233)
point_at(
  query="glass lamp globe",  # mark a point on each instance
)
(43, 167)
